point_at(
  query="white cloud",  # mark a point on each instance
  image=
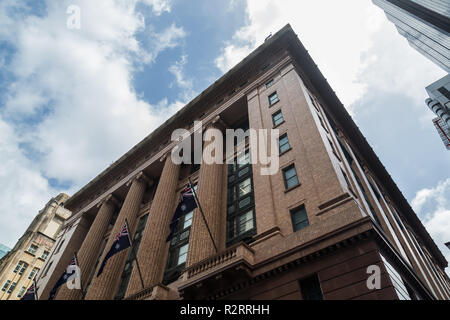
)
(159, 6)
(186, 84)
(434, 205)
(334, 35)
(78, 83)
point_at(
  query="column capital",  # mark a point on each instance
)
(109, 198)
(140, 176)
(218, 123)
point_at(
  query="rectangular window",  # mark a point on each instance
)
(32, 249)
(241, 224)
(17, 268)
(290, 177)
(128, 268)
(283, 144)
(24, 267)
(322, 123)
(240, 213)
(13, 286)
(33, 273)
(269, 84)
(277, 118)
(311, 288)
(178, 249)
(45, 255)
(48, 268)
(59, 246)
(299, 218)
(273, 98)
(22, 290)
(6, 285)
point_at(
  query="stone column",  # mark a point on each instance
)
(153, 248)
(210, 194)
(87, 255)
(104, 286)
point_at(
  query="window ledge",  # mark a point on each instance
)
(292, 188)
(274, 127)
(284, 152)
(271, 105)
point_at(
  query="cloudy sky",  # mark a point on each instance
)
(72, 101)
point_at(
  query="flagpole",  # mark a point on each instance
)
(135, 255)
(35, 289)
(76, 263)
(203, 215)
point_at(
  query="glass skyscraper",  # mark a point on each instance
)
(425, 24)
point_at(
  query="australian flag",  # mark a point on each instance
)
(186, 205)
(121, 242)
(63, 278)
(30, 294)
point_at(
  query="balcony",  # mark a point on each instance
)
(222, 270)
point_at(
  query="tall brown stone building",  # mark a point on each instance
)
(313, 230)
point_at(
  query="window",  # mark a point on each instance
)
(270, 83)
(128, 268)
(240, 200)
(48, 268)
(290, 177)
(24, 267)
(60, 245)
(178, 249)
(299, 218)
(277, 118)
(33, 273)
(32, 249)
(22, 290)
(273, 98)
(333, 149)
(397, 281)
(17, 268)
(13, 286)
(283, 144)
(322, 123)
(241, 224)
(45, 255)
(6, 285)
(347, 181)
(311, 288)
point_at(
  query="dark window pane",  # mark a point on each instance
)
(311, 288)
(299, 218)
(273, 98)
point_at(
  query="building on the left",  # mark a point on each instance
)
(21, 264)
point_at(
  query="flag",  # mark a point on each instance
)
(63, 278)
(30, 294)
(186, 205)
(121, 242)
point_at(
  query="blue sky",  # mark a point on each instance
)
(68, 96)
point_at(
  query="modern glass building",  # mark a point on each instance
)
(439, 103)
(425, 24)
(3, 250)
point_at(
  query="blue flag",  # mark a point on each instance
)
(63, 278)
(186, 205)
(121, 242)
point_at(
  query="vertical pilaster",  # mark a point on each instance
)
(210, 191)
(87, 255)
(104, 286)
(153, 248)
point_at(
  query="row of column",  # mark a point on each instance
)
(153, 249)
